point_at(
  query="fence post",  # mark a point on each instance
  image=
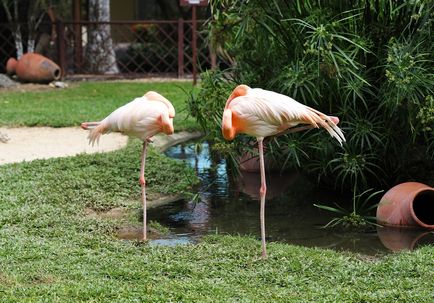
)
(180, 48)
(78, 49)
(194, 43)
(60, 29)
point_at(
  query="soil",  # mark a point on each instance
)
(30, 143)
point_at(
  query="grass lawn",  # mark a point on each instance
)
(50, 251)
(86, 101)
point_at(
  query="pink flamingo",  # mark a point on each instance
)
(262, 113)
(142, 118)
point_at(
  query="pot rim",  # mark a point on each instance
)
(413, 215)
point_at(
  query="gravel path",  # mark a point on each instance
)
(30, 143)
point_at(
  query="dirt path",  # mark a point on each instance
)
(30, 143)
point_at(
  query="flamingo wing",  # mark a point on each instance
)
(263, 113)
(141, 118)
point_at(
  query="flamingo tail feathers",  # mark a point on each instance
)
(327, 123)
(96, 130)
(89, 125)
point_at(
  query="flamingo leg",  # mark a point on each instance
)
(262, 192)
(143, 184)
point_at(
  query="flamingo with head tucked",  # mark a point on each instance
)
(262, 113)
(143, 118)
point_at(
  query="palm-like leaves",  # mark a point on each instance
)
(370, 62)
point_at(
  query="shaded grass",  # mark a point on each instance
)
(86, 101)
(51, 252)
(99, 181)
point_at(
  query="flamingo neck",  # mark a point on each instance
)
(240, 90)
(228, 129)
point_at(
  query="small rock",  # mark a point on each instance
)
(58, 84)
(5, 81)
(4, 138)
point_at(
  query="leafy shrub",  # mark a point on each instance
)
(368, 62)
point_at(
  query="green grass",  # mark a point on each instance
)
(86, 101)
(50, 251)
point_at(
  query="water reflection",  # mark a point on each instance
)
(277, 184)
(397, 239)
(154, 238)
(232, 207)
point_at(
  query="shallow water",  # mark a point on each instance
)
(232, 207)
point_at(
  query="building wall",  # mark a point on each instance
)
(121, 10)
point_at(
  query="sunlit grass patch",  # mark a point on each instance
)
(87, 101)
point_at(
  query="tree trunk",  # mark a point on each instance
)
(16, 32)
(15, 28)
(36, 12)
(100, 52)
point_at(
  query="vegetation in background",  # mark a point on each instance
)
(86, 101)
(360, 216)
(371, 63)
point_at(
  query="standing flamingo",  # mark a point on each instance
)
(142, 118)
(262, 113)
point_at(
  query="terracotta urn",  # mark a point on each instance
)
(409, 204)
(33, 67)
(11, 65)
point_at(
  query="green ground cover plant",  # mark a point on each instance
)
(86, 101)
(51, 251)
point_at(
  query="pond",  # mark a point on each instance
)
(231, 207)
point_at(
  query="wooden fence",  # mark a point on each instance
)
(154, 47)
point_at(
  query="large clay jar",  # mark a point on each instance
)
(409, 204)
(33, 67)
(11, 65)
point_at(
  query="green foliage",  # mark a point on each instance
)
(162, 230)
(359, 217)
(371, 63)
(425, 117)
(206, 107)
(99, 181)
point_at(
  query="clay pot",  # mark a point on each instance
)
(11, 65)
(409, 204)
(33, 67)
